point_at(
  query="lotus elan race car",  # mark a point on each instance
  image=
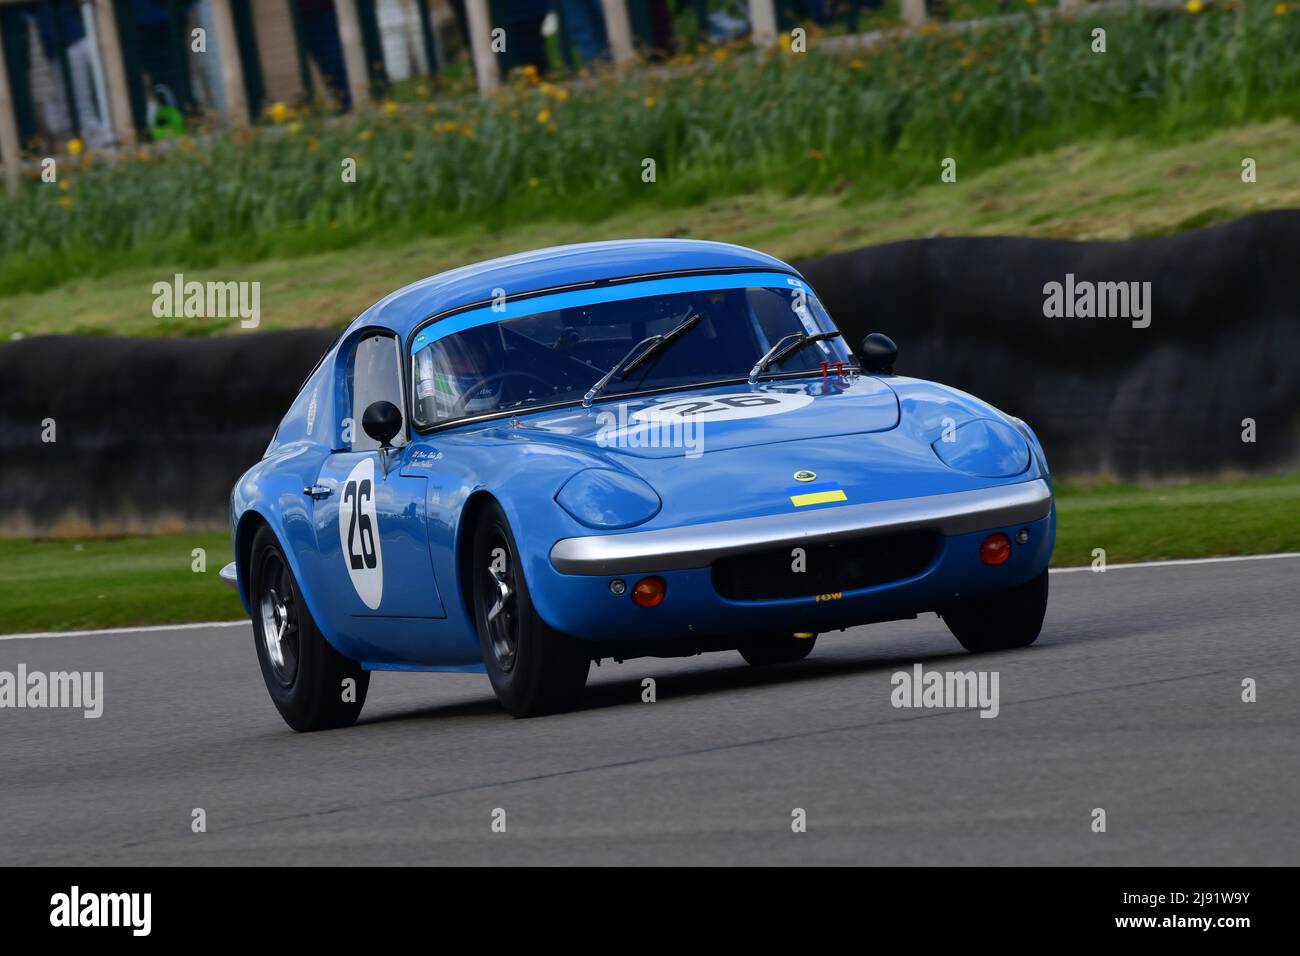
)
(620, 449)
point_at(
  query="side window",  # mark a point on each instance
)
(375, 376)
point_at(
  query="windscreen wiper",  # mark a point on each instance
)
(639, 354)
(785, 348)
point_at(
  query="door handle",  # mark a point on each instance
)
(317, 492)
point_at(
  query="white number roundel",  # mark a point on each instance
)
(359, 533)
(717, 408)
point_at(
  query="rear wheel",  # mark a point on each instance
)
(534, 668)
(777, 649)
(1002, 620)
(312, 685)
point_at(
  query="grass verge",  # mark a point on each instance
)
(1195, 520)
(65, 585)
(1108, 189)
(113, 582)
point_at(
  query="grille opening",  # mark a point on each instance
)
(838, 566)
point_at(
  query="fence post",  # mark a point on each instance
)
(480, 46)
(914, 12)
(354, 52)
(762, 22)
(9, 154)
(119, 100)
(619, 29)
(232, 70)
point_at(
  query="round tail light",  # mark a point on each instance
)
(649, 592)
(995, 549)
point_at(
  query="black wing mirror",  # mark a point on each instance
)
(879, 353)
(382, 421)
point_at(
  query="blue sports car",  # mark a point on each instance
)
(611, 450)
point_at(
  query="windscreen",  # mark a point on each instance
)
(554, 356)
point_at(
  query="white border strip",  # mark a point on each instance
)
(36, 635)
(1182, 561)
(211, 624)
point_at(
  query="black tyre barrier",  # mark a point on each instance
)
(150, 434)
(1105, 398)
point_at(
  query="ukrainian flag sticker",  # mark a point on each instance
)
(821, 493)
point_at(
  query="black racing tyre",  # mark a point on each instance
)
(777, 649)
(534, 668)
(1002, 620)
(306, 677)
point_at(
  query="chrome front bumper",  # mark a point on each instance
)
(697, 546)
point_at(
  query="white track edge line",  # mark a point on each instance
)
(193, 627)
(1183, 561)
(109, 631)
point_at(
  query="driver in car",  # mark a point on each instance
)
(457, 375)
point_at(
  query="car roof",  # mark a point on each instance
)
(554, 267)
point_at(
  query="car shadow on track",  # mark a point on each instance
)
(721, 677)
(727, 677)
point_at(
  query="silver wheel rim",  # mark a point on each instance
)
(500, 610)
(279, 620)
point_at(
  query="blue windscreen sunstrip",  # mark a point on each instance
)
(488, 314)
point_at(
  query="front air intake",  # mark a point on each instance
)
(846, 565)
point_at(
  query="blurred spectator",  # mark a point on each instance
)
(63, 33)
(523, 25)
(584, 21)
(158, 48)
(319, 24)
(818, 11)
(661, 27)
(726, 24)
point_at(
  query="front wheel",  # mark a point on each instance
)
(1002, 620)
(313, 686)
(534, 668)
(777, 649)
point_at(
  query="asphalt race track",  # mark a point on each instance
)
(1131, 702)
